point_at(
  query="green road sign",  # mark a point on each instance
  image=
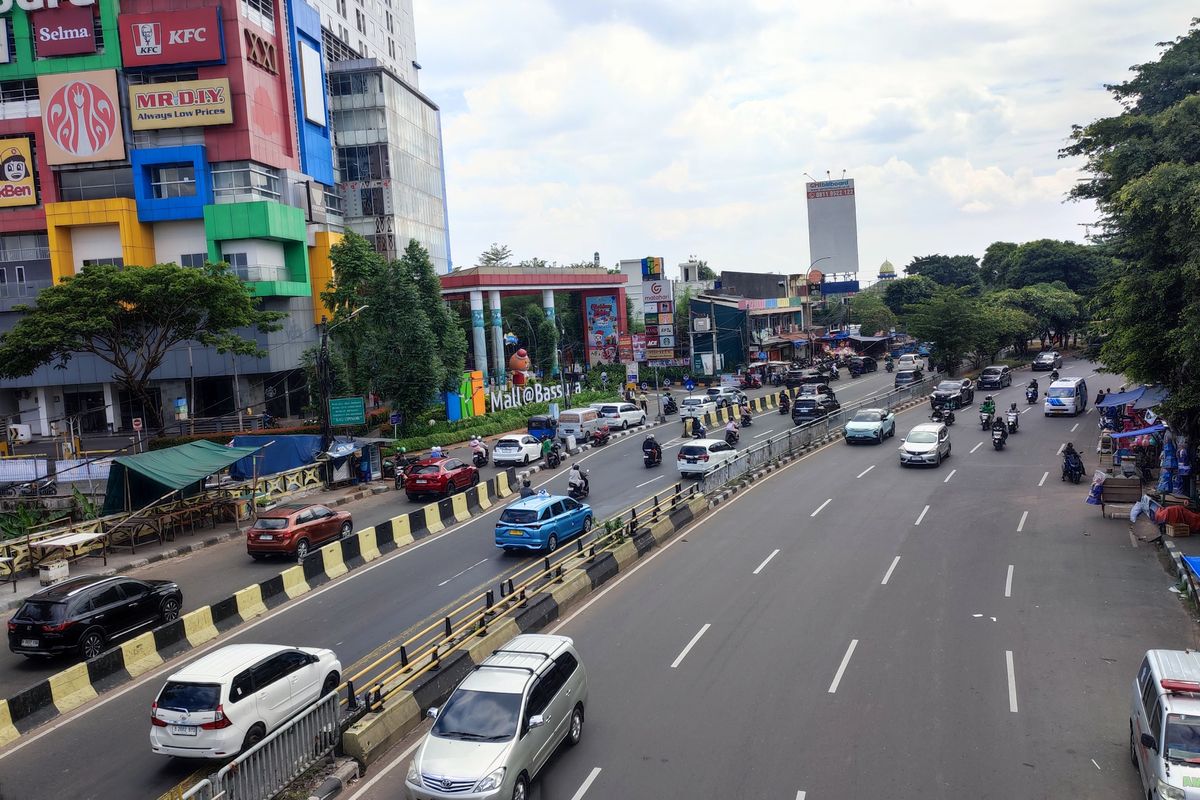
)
(347, 411)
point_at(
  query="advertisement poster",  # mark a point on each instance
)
(171, 38)
(639, 347)
(178, 105)
(81, 117)
(16, 173)
(625, 348)
(601, 328)
(64, 31)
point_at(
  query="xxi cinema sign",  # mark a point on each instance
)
(171, 38)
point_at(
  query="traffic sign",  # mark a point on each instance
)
(394, 419)
(762, 356)
(137, 423)
(604, 377)
(645, 385)
(689, 384)
(347, 411)
(667, 382)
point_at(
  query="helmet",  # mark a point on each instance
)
(650, 437)
(989, 397)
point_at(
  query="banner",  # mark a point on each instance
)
(180, 105)
(16, 173)
(64, 31)
(658, 292)
(81, 117)
(171, 38)
(600, 328)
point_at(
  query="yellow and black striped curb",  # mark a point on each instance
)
(82, 682)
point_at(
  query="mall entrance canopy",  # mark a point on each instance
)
(600, 290)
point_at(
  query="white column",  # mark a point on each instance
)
(43, 410)
(497, 333)
(548, 309)
(478, 336)
(112, 414)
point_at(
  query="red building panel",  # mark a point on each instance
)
(25, 219)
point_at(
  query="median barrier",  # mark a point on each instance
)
(80, 683)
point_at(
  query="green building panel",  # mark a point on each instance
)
(263, 219)
(25, 65)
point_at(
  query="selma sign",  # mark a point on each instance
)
(37, 5)
(523, 395)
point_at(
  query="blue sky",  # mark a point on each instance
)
(685, 127)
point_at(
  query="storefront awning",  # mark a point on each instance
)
(136, 481)
(1138, 432)
(1150, 398)
(1121, 398)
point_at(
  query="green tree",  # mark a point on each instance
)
(996, 327)
(1079, 267)
(399, 346)
(867, 309)
(703, 272)
(498, 255)
(949, 320)
(130, 318)
(450, 357)
(995, 264)
(902, 292)
(537, 263)
(355, 264)
(951, 271)
(1055, 310)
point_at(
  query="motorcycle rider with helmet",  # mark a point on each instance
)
(577, 481)
(651, 449)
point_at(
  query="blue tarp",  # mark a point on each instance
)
(1193, 563)
(1152, 397)
(279, 454)
(1121, 398)
(1138, 432)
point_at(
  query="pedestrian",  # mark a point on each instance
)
(642, 402)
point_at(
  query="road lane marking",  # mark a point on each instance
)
(1043, 480)
(1021, 524)
(801, 795)
(1058, 452)
(1012, 682)
(833, 687)
(951, 475)
(1027, 408)
(400, 759)
(865, 471)
(818, 511)
(1008, 582)
(976, 447)
(647, 483)
(921, 516)
(891, 569)
(1075, 427)
(586, 784)
(766, 561)
(679, 658)
(764, 433)
(463, 572)
(1095, 764)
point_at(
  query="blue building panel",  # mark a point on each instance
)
(159, 209)
(310, 91)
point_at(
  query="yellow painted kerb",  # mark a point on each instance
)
(368, 544)
(250, 602)
(331, 557)
(71, 688)
(140, 655)
(458, 503)
(294, 583)
(8, 732)
(402, 530)
(198, 626)
(433, 518)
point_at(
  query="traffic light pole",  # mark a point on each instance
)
(324, 386)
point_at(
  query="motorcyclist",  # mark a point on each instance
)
(731, 431)
(576, 479)
(478, 447)
(435, 451)
(1071, 457)
(1011, 416)
(698, 429)
(1000, 427)
(651, 447)
(547, 446)
(526, 488)
(744, 413)
(988, 406)
(1033, 384)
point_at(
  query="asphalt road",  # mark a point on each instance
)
(966, 631)
(356, 615)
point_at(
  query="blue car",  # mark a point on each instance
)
(542, 522)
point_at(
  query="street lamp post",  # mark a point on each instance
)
(325, 377)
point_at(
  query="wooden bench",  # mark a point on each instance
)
(1121, 493)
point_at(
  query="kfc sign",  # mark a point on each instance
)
(170, 38)
(37, 5)
(65, 31)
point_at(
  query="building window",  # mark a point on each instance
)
(233, 180)
(345, 83)
(107, 262)
(341, 7)
(237, 261)
(387, 15)
(372, 202)
(20, 271)
(364, 163)
(24, 247)
(18, 91)
(95, 184)
(143, 78)
(195, 260)
(333, 201)
(177, 180)
(337, 47)
(241, 266)
(392, 48)
(360, 21)
(260, 12)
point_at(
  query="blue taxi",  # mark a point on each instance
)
(542, 522)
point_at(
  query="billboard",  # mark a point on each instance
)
(64, 31)
(832, 225)
(180, 105)
(600, 328)
(652, 268)
(171, 38)
(81, 117)
(16, 173)
(658, 292)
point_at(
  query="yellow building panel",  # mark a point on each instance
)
(320, 270)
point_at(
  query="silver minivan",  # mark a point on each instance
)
(578, 422)
(1164, 724)
(500, 726)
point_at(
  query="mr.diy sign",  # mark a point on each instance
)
(524, 395)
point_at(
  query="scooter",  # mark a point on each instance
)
(1053, 374)
(43, 487)
(669, 406)
(887, 365)
(580, 492)
(1072, 468)
(651, 458)
(785, 405)
(998, 437)
(854, 373)
(554, 457)
(600, 436)
(731, 438)
(945, 416)
(985, 420)
(480, 457)
(1011, 418)
(747, 419)
(1031, 395)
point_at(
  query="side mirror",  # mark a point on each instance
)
(1148, 741)
(432, 713)
(537, 721)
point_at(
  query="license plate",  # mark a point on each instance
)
(267, 537)
(516, 533)
(419, 480)
(29, 643)
(182, 730)
(691, 461)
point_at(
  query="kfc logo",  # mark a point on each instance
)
(186, 35)
(147, 41)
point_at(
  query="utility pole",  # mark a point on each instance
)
(237, 393)
(192, 398)
(325, 386)
(712, 313)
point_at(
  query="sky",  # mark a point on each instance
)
(681, 128)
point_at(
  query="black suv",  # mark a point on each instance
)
(863, 364)
(809, 408)
(906, 376)
(83, 615)
(995, 377)
(952, 393)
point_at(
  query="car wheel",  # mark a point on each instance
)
(587, 524)
(253, 736)
(331, 682)
(92, 644)
(346, 528)
(258, 556)
(643, 421)
(552, 543)
(521, 788)
(575, 732)
(624, 424)
(526, 461)
(169, 610)
(1132, 751)
(302, 549)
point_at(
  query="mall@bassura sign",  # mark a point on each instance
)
(524, 395)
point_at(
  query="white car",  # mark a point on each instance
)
(622, 414)
(727, 396)
(702, 456)
(697, 405)
(909, 361)
(927, 443)
(230, 699)
(516, 450)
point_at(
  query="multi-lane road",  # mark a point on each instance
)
(107, 740)
(850, 628)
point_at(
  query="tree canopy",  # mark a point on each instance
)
(498, 255)
(902, 292)
(952, 271)
(867, 309)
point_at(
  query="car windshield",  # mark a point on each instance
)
(179, 696)
(42, 611)
(906, 377)
(515, 442)
(1045, 357)
(270, 523)
(692, 401)
(1183, 738)
(479, 716)
(868, 415)
(992, 371)
(921, 437)
(692, 450)
(949, 386)
(518, 516)
(1060, 391)
(608, 409)
(428, 469)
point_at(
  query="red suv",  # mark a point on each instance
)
(295, 530)
(439, 476)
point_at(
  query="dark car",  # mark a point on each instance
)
(995, 377)
(295, 530)
(85, 615)
(1046, 361)
(906, 376)
(813, 407)
(953, 394)
(863, 364)
(439, 477)
(817, 388)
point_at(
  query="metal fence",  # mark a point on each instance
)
(265, 769)
(70, 470)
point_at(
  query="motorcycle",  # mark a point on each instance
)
(1072, 469)
(669, 406)
(985, 420)
(1031, 395)
(731, 438)
(43, 487)
(1011, 417)
(600, 436)
(651, 458)
(747, 420)
(1053, 374)
(945, 416)
(854, 373)
(887, 365)
(479, 457)
(401, 467)
(785, 405)
(998, 437)
(554, 457)
(580, 491)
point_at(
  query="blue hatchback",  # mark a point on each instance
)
(542, 522)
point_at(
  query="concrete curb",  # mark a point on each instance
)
(332, 786)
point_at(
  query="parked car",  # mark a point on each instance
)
(296, 530)
(726, 396)
(905, 377)
(84, 616)
(542, 522)
(1164, 723)
(229, 700)
(809, 408)
(863, 364)
(996, 376)
(519, 449)
(622, 415)
(439, 477)
(1047, 361)
(502, 723)
(871, 425)
(799, 377)
(927, 443)
(697, 405)
(953, 393)
(701, 456)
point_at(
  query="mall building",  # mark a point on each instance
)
(247, 131)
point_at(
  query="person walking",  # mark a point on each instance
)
(642, 401)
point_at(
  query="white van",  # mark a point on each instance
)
(1066, 396)
(578, 422)
(1164, 723)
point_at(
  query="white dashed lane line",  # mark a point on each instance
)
(976, 447)
(887, 575)
(833, 687)
(1012, 682)
(587, 782)
(921, 516)
(865, 471)
(1043, 480)
(766, 561)
(1021, 524)
(951, 475)
(679, 658)
(1008, 582)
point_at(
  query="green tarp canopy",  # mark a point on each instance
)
(137, 481)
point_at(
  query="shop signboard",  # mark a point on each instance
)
(81, 117)
(347, 411)
(172, 38)
(658, 292)
(180, 105)
(16, 173)
(639, 347)
(37, 5)
(656, 353)
(517, 396)
(601, 328)
(625, 347)
(68, 30)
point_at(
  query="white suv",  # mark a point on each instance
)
(227, 701)
(726, 396)
(502, 723)
(623, 414)
(699, 457)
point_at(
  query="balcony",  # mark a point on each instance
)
(15, 294)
